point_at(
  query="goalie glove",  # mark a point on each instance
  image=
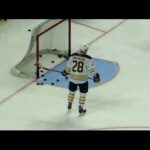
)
(96, 78)
(64, 73)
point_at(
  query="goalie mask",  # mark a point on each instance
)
(84, 49)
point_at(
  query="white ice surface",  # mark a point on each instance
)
(122, 103)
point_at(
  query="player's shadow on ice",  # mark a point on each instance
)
(104, 104)
(60, 122)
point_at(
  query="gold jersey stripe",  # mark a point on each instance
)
(79, 79)
(79, 75)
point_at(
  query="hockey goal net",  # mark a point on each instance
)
(50, 38)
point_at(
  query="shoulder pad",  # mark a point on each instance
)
(75, 54)
(87, 56)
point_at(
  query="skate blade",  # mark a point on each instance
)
(82, 114)
(69, 110)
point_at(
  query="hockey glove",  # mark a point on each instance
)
(96, 78)
(64, 73)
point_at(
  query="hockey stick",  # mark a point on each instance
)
(51, 69)
(48, 69)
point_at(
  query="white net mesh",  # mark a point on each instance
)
(53, 40)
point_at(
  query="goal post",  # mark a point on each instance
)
(51, 37)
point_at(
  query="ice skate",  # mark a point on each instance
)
(69, 107)
(81, 111)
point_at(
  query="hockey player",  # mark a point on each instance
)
(78, 67)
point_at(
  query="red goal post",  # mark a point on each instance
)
(52, 36)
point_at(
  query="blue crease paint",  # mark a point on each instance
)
(107, 70)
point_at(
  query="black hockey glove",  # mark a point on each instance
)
(96, 78)
(64, 73)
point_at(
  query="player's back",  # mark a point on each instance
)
(78, 65)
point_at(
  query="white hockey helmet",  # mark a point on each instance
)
(84, 48)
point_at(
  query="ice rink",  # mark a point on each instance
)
(123, 103)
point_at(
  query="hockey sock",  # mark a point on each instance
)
(71, 96)
(82, 99)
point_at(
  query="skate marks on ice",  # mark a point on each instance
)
(64, 121)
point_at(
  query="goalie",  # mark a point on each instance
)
(79, 66)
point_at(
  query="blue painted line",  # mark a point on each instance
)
(107, 70)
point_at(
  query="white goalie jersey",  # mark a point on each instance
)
(79, 66)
